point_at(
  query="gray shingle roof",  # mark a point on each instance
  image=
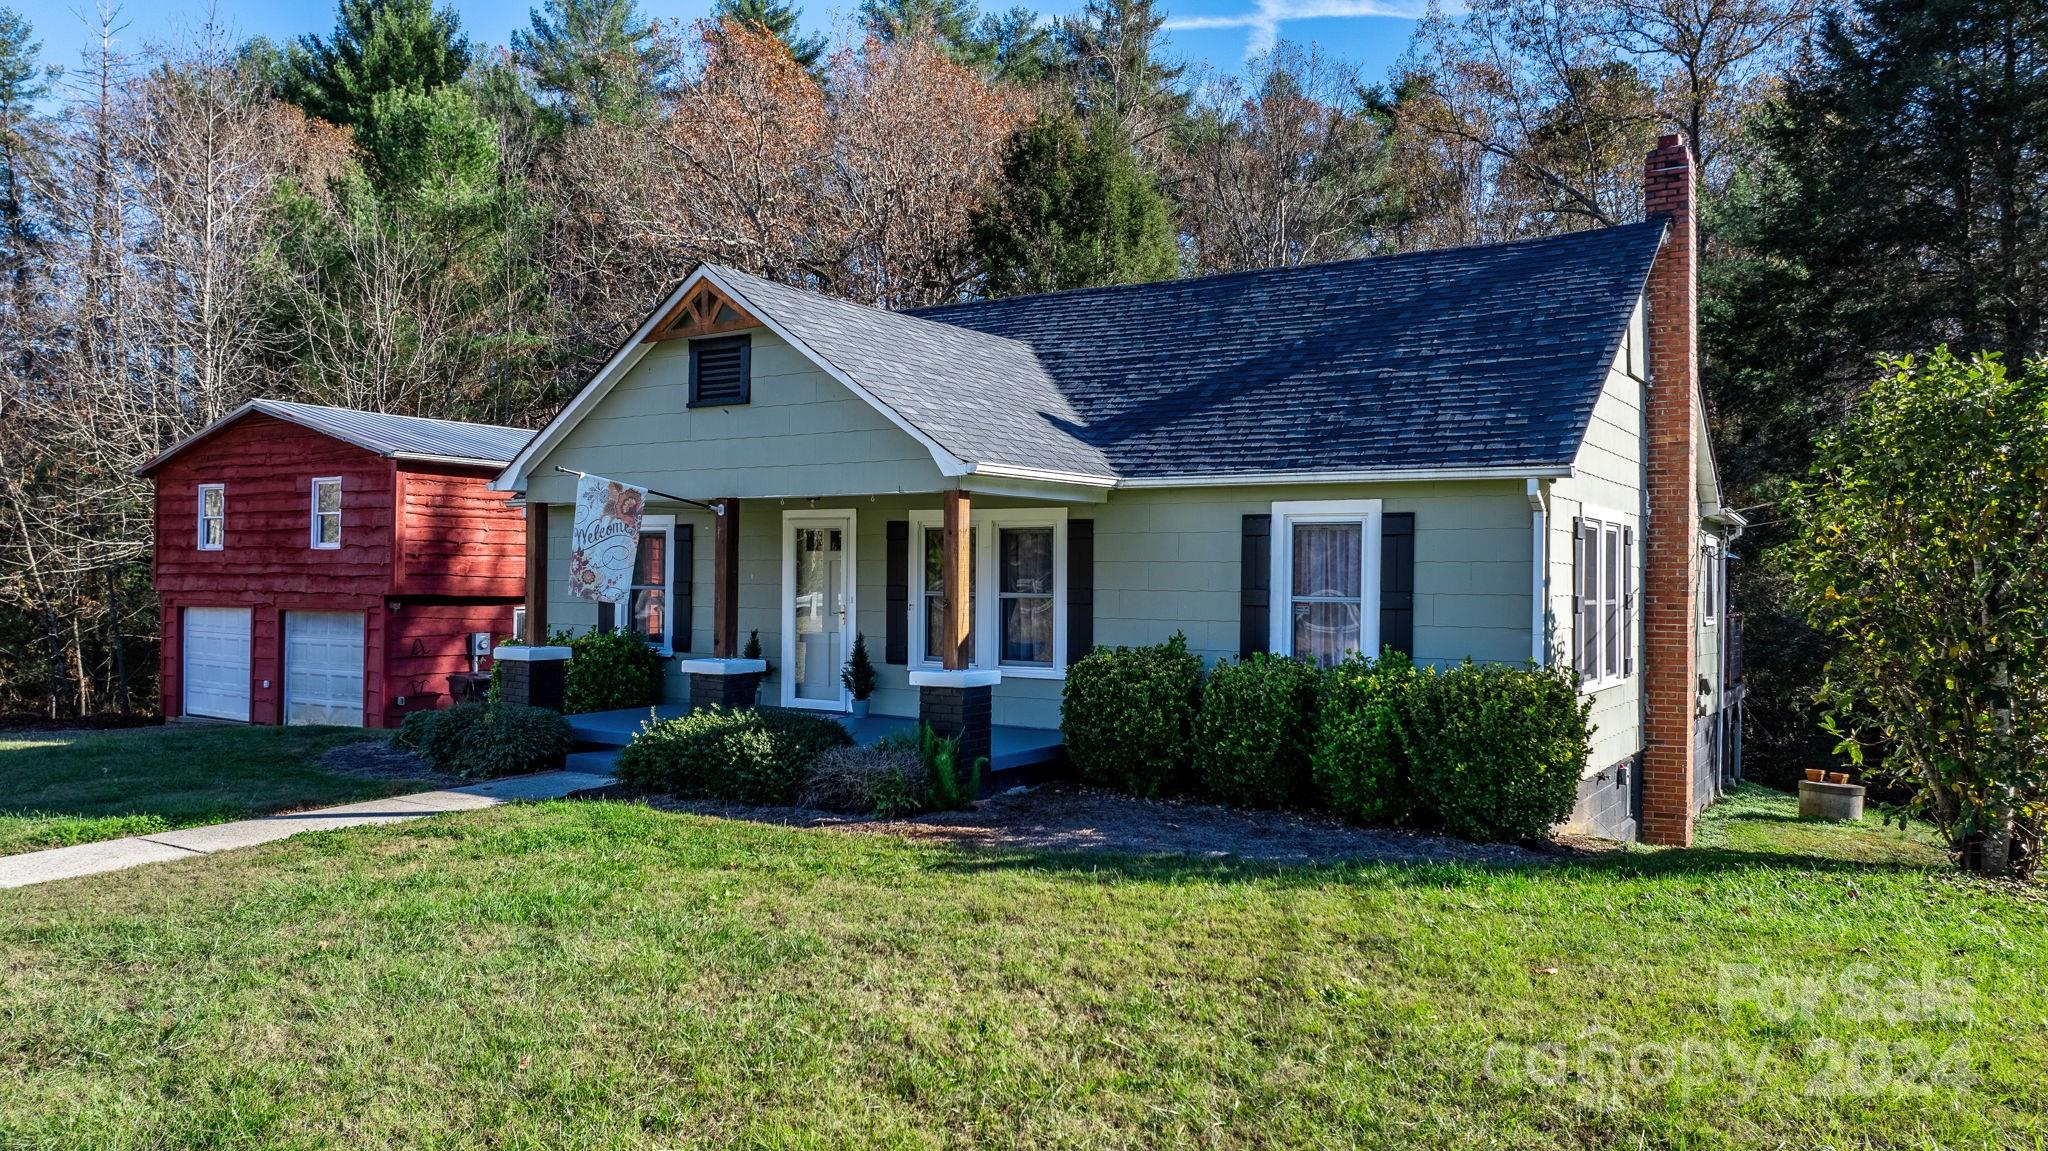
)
(403, 437)
(1472, 357)
(982, 397)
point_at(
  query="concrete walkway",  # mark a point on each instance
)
(134, 851)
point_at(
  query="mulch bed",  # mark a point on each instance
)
(376, 759)
(1064, 817)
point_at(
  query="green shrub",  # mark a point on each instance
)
(1359, 764)
(609, 670)
(952, 786)
(859, 673)
(739, 754)
(715, 753)
(1255, 730)
(487, 740)
(1128, 715)
(1495, 752)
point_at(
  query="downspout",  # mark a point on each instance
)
(1539, 572)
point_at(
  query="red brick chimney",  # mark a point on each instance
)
(1671, 532)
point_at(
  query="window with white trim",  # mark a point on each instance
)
(1326, 579)
(1604, 599)
(213, 517)
(648, 601)
(327, 513)
(1018, 557)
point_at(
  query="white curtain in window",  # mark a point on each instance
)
(649, 592)
(1024, 584)
(1327, 592)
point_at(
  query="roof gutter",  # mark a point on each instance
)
(1362, 476)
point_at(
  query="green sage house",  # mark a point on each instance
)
(1493, 453)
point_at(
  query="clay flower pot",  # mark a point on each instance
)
(1838, 777)
(1815, 774)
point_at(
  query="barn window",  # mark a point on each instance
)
(213, 517)
(721, 371)
(327, 513)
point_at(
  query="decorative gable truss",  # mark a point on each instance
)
(703, 311)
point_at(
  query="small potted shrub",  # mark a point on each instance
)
(859, 675)
(753, 651)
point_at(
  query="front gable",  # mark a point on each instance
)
(800, 433)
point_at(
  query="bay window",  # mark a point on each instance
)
(1326, 579)
(1016, 606)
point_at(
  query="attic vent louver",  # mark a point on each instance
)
(720, 371)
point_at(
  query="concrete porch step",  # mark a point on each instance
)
(598, 761)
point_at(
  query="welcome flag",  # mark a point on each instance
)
(605, 539)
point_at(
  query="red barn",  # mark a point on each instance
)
(324, 565)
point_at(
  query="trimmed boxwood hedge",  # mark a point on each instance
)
(1360, 762)
(609, 670)
(1255, 731)
(1496, 752)
(1127, 715)
(487, 740)
(738, 754)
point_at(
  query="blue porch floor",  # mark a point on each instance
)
(1011, 748)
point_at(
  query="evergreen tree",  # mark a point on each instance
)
(1893, 204)
(1073, 210)
(594, 59)
(25, 148)
(950, 22)
(780, 20)
(378, 46)
(1113, 68)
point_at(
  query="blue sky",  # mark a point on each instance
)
(1220, 33)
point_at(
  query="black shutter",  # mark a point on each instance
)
(607, 616)
(1581, 616)
(1397, 582)
(679, 595)
(1080, 589)
(721, 371)
(1628, 601)
(1255, 583)
(896, 624)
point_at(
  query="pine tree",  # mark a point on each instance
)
(594, 59)
(780, 20)
(1073, 210)
(1114, 71)
(378, 46)
(25, 149)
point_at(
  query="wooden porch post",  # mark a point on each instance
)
(958, 573)
(725, 580)
(536, 574)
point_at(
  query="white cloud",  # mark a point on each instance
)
(1263, 23)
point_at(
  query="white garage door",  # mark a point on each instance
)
(217, 662)
(323, 667)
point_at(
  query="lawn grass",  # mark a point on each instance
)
(601, 975)
(61, 789)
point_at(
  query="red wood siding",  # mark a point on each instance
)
(427, 554)
(429, 642)
(457, 537)
(266, 639)
(268, 466)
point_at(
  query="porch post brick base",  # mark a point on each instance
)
(959, 711)
(532, 683)
(738, 689)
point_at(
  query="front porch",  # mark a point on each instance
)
(1016, 754)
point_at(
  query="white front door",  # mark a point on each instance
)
(323, 667)
(217, 662)
(817, 607)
